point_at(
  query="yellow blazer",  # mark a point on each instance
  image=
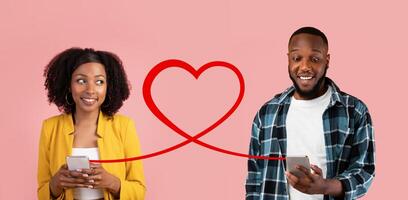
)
(117, 139)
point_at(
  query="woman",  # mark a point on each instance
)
(89, 87)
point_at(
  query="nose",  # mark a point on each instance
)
(305, 65)
(90, 89)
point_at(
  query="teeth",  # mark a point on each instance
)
(305, 77)
(88, 100)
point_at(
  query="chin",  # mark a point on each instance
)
(306, 90)
(88, 110)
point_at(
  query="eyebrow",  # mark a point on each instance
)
(100, 75)
(297, 49)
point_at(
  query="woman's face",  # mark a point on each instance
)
(88, 87)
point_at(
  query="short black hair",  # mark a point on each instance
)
(58, 74)
(312, 31)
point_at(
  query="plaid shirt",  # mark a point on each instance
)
(349, 142)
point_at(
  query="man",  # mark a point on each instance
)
(314, 118)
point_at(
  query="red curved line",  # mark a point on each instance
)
(157, 153)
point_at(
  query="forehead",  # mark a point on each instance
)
(90, 69)
(307, 41)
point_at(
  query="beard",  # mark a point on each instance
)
(314, 92)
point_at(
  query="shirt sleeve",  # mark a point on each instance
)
(253, 181)
(133, 187)
(359, 175)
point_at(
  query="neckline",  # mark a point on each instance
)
(313, 102)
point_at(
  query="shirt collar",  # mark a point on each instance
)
(69, 124)
(335, 97)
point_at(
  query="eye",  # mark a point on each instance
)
(81, 81)
(100, 82)
(296, 58)
(315, 59)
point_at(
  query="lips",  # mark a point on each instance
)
(88, 101)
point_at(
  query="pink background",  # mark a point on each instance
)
(368, 59)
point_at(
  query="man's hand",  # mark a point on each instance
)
(314, 183)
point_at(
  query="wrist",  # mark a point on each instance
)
(55, 191)
(333, 187)
(114, 187)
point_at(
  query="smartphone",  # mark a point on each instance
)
(292, 161)
(77, 162)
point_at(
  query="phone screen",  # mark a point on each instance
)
(292, 161)
(77, 162)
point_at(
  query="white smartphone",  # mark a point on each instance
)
(77, 162)
(292, 161)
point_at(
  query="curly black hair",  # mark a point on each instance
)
(59, 71)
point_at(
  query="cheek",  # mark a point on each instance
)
(292, 68)
(75, 90)
(321, 69)
(102, 91)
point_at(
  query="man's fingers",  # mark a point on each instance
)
(291, 179)
(317, 170)
(297, 183)
(303, 169)
(302, 189)
(303, 180)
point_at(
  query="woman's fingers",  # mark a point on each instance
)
(66, 185)
(97, 177)
(95, 165)
(72, 179)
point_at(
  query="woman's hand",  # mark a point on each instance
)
(100, 178)
(65, 179)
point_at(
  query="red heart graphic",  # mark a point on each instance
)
(156, 111)
(196, 73)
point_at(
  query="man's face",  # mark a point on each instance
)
(308, 62)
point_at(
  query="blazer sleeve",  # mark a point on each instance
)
(133, 187)
(43, 171)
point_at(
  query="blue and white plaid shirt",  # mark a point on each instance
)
(349, 141)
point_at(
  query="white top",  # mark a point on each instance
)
(86, 193)
(305, 135)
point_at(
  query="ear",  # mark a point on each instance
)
(288, 56)
(328, 60)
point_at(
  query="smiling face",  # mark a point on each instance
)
(308, 62)
(88, 87)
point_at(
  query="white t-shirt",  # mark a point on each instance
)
(305, 135)
(86, 193)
